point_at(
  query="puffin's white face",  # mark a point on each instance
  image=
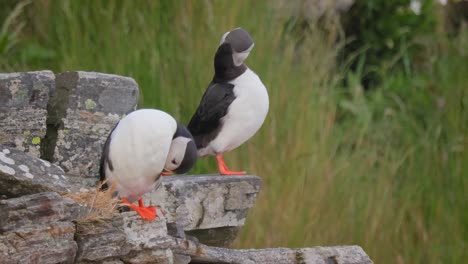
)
(176, 153)
(237, 57)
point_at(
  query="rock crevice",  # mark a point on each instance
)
(56, 111)
(63, 118)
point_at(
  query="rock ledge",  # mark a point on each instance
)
(42, 228)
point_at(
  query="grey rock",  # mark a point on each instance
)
(86, 107)
(209, 207)
(124, 235)
(41, 243)
(23, 109)
(112, 261)
(206, 201)
(217, 237)
(160, 256)
(41, 208)
(181, 259)
(37, 229)
(22, 174)
(175, 229)
(317, 255)
(338, 255)
(141, 234)
(101, 240)
(149, 242)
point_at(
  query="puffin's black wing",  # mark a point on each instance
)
(206, 122)
(105, 160)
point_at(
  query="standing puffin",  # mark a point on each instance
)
(142, 146)
(235, 104)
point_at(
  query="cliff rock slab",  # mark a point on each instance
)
(209, 207)
(85, 108)
(23, 109)
(206, 201)
(22, 174)
(46, 228)
(38, 229)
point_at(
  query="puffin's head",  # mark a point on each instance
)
(241, 43)
(182, 153)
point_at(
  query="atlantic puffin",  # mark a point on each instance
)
(142, 146)
(235, 104)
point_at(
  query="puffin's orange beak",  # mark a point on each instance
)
(167, 172)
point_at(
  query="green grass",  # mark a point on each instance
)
(386, 169)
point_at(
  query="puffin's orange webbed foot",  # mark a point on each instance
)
(146, 213)
(223, 169)
(226, 171)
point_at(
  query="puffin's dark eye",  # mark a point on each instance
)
(174, 162)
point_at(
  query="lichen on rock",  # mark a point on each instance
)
(84, 110)
(22, 174)
(23, 109)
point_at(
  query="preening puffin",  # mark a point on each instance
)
(235, 103)
(142, 146)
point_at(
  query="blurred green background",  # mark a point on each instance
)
(366, 139)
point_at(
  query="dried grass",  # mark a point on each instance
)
(97, 205)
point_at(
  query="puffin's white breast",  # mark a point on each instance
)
(245, 115)
(138, 150)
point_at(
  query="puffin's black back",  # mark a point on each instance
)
(105, 160)
(205, 124)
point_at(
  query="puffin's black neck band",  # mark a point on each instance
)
(225, 69)
(182, 131)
